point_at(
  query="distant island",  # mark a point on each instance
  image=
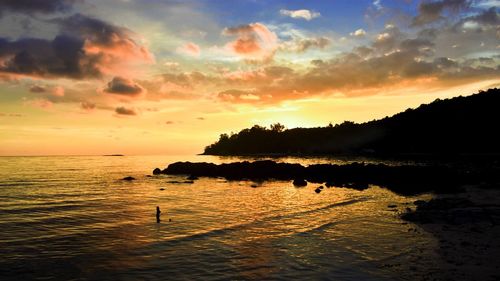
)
(456, 126)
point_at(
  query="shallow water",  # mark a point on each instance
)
(69, 218)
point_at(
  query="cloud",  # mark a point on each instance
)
(486, 19)
(172, 65)
(190, 49)
(393, 60)
(358, 33)
(86, 105)
(85, 48)
(111, 42)
(125, 111)
(300, 14)
(123, 86)
(56, 91)
(37, 89)
(377, 4)
(254, 41)
(431, 11)
(36, 6)
(303, 44)
(487, 3)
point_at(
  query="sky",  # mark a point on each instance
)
(135, 77)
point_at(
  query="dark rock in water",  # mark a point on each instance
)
(391, 206)
(162, 188)
(329, 184)
(179, 182)
(419, 202)
(299, 182)
(404, 179)
(192, 178)
(129, 178)
(254, 185)
(149, 176)
(318, 189)
(356, 185)
(156, 171)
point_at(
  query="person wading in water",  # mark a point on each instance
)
(158, 212)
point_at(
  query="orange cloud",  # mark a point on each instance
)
(190, 49)
(253, 42)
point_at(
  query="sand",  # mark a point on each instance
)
(467, 228)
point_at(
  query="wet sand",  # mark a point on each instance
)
(467, 228)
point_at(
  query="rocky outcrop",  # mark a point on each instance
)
(405, 179)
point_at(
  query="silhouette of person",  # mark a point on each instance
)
(158, 212)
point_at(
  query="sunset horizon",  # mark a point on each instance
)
(133, 77)
(249, 140)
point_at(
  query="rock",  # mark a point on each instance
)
(162, 188)
(391, 206)
(318, 189)
(419, 203)
(299, 182)
(180, 182)
(192, 178)
(254, 185)
(329, 184)
(129, 178)
(156, 171)
(356, 185)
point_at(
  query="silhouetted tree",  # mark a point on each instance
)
(277, 127)
(450, 126)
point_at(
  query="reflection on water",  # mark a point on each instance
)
(71, 217)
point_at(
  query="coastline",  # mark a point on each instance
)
(466, 226)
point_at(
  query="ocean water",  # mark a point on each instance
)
(72, 218)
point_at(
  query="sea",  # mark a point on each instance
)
(73, 218)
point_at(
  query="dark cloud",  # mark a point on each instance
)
(485, 20)
(37, 6)
(123, 86)
(431, 11)
(87, 105)
(125, 111)
(38, 89)
(85, 48)
(63, 56)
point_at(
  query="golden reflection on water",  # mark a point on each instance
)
(100, 224)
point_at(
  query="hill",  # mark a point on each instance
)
(460, 125)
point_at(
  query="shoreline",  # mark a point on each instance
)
(466, 227)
